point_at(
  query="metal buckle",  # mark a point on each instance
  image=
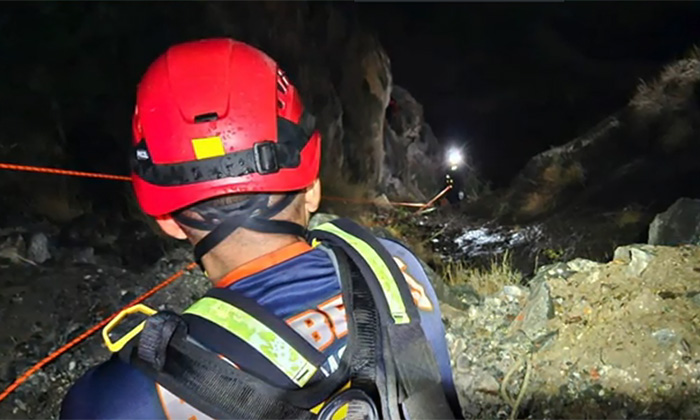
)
(265, 153)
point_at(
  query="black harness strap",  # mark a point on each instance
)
(358, 231)
(217, 388)
(406, 349)
(222, 342)
(260, 211)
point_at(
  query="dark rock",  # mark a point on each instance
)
(410, 146)
(85, 230)
(538, 310)
(20, 404)
(84, 256)
(127, 297)
(678, 225)
(462, 296)
(636, 256)
(405, 115)
(38, 248)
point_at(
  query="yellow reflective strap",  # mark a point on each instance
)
(285, 357)
(380, 269)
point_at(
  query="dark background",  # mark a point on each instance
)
(509, 80)
(513, 79)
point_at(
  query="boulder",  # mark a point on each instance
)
(637, 257)
(38, 248)
(679, 225)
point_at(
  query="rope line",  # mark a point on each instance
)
(55, 354)
(57, 171)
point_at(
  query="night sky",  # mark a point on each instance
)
(512, 80)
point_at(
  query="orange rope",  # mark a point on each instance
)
(436, 198)
(51, 357)
(54, 171)
(55, 354)
(62, 172)
(364, 201)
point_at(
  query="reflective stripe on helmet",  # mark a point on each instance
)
(268, 343)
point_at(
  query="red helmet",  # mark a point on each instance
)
(217, 117)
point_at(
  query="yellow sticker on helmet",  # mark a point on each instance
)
(208, 147)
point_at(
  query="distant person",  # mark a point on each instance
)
(299, 324)
(455, 194)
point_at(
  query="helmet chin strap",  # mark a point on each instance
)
(253, 214)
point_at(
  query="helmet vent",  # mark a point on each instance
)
(280, 86)
(210, 116)
(280, 103)
(282, 82)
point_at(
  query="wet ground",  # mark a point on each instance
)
(590, 234)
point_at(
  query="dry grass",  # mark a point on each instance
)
(629, 217)
(485, 281)
(536, 203)
(552, 180)
(671, 88)
(557, 176)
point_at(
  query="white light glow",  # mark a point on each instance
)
(454, 158)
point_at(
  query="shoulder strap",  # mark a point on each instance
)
(383, 276)
(406, 348)
(208, 383)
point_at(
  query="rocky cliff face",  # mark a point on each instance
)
(412, 162)
(643, 154)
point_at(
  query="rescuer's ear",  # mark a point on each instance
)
(312, 196)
